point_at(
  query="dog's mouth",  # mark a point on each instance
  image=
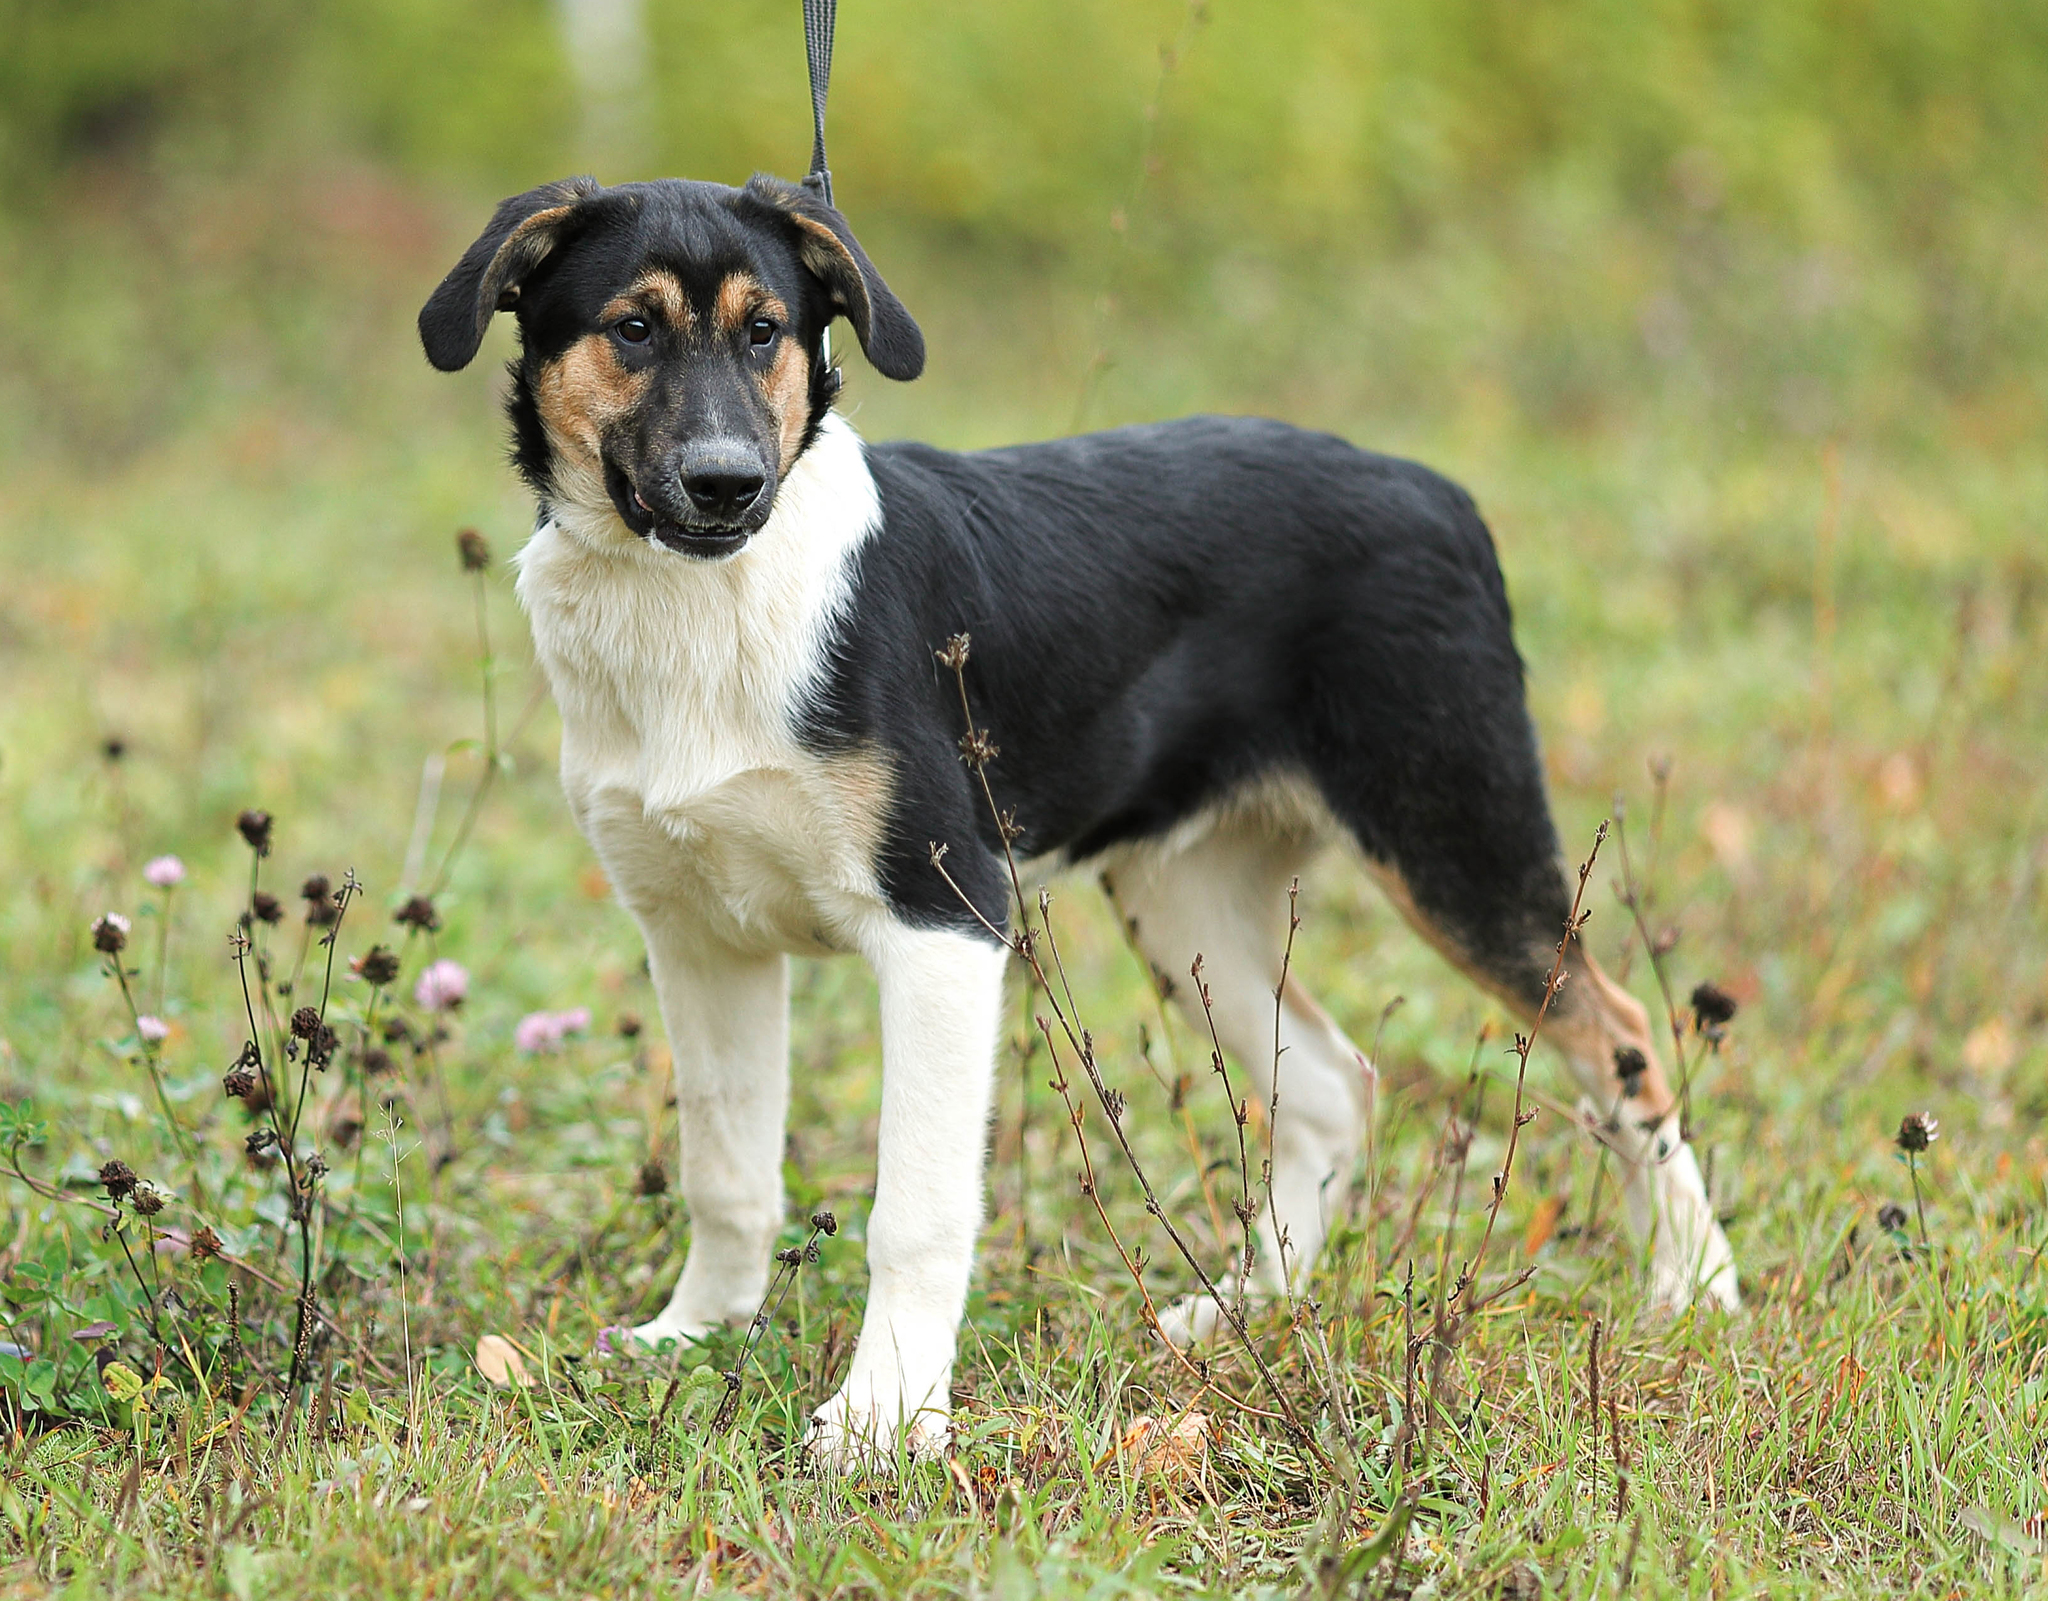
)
(691, 535)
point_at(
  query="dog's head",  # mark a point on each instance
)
(669, 366)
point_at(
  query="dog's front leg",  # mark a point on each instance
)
(727, 1017)
(941, 1005)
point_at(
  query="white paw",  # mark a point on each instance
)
(1193, 1319)
(665, 1328)
(1706, 1273)
(851, 1433)
(1691, 1259)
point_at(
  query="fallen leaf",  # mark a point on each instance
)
(1989, 1048)
(1728, 832)
(2024, 1538)
(1175, 1448)
(499, 1361)
(1542, 1224)
(123, 1383)
(1898, 782)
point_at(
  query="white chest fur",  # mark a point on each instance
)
(680, 683)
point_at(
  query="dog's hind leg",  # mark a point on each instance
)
(1499, 914)
(727, 1017)
(1603, 1030)
(1224, 898)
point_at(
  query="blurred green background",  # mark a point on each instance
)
(1807, 217)
(1733, 316)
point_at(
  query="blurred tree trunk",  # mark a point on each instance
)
(610, 56)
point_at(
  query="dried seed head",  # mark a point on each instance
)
(1629, 1066)
(255, 829)
(822, 1220)
(113, 747)
(953, 654)
(1712, 1007)
(119, 1179)
(475, 553)
(110, 933)
(418, 912)
(305, 1022)
(376, 1062)
(318, 894)
(653, 1178)
(377, 966)
(239, 1081)
(1891, 1217)
(628, 1025)
(1917, 1131)
(147, 1200)
(206, 1244)
(265, 907)
(260, 1140)
(313, 1166)
(790, 1256)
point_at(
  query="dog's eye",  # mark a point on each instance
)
(760, 331)
(634, 330)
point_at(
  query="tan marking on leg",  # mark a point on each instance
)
(1591, 1017)
(1605, 1019)
(1395, 888)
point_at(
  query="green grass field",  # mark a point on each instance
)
(1774, 533)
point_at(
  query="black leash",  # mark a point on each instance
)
(819, 16)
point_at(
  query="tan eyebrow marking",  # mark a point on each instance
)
(656, 291)
(741, 298)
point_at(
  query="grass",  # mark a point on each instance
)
(1836, 642)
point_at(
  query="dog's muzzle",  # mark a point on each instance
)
(707, 502)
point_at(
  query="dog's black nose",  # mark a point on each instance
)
(723, 493)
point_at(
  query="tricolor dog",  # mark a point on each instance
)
(1203, 647)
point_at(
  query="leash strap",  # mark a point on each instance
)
(819, 15)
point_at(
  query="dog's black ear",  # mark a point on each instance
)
(486, 280)
(888, 334)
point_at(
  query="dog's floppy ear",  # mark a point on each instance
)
(825, 244)
(486, 280)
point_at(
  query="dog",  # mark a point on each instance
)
(1203, 648)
